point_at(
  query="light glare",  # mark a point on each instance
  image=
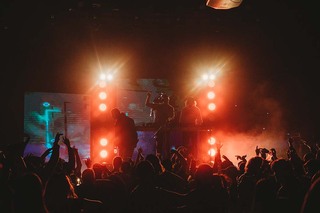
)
(211, 106)
(211, 95)
(103, 107)
(212, 152)
(212, 141)
(103, 153)
(102, 95)
(103, 141)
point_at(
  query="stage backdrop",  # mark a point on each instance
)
(45, 114)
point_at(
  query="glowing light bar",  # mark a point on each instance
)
(102, 95)
(212, 141)
(205, 77)
(102, 107)
(102, 76)
(212, 152)
(103, 153)
(110, 77)
(211, 106)
(211, 95)
(212, 77)
(103, 141)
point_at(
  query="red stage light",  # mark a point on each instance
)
(212, 152)
(211, 106)
(102, 95)
(103, 141)
(103, 153)
(103, 107)
(211, 141)
(211, 95)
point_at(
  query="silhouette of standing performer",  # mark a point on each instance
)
(190, 117)
(163, 113)
(126, 136)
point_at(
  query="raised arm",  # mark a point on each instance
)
(217, 158)
(71, 156)
(54, 158)
(78, 162)
(147, 101)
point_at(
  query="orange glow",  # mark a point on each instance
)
(212, 76)
(211, 106)
(102, 84)
(110, 77)
(103, 141)
(102, 107)
(212, 141)
(103, 153)
(211, 83)
(205, 77)
(102, 95)
(211, 95)
(102, 76)
(212, 152)
(115, 150)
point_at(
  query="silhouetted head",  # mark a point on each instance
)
(190, 101)
(115, 113)
(88, 176)
(254, 165)
(203, 175)
(145, 171)
(117, 162)
(126, 167)
(28, 196)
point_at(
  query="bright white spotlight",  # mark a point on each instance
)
(102, 76)
(212, 77)
(103, 107)
(103, 153)
(212, 141)
(205, 77)
(212, 152)
(109, 77)
(103, 141)
(211, 106)
(102, 95)
(211, 95)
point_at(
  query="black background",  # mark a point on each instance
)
(272, 49)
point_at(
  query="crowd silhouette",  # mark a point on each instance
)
(148, 183)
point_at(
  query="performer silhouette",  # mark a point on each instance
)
(163, 113)
(190, 117)
(126, 136)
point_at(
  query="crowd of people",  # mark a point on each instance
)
(175, 184)
(172, 182)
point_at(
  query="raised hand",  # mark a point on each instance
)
(88, 162)
(257, 150)
(218, 145)
(66, 141)
(57, 138)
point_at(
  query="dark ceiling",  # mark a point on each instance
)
(52, 46)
